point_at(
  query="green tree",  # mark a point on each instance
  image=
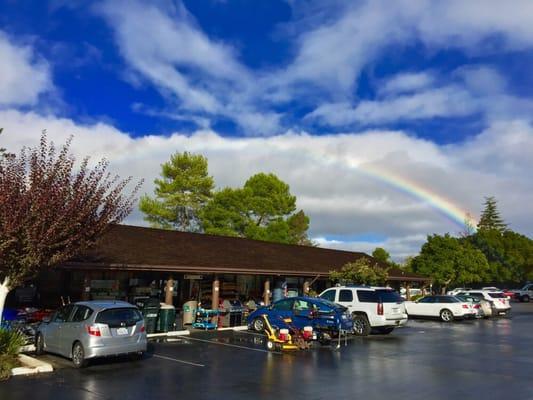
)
(51, 209)
(450, 260)
(182, 191)
(490, 217)
(381, 254)
(263, 209)
(509, 254)
(363, 271)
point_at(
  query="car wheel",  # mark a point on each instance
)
(525, 299)
(446, 315)
(39, 344)
(78, 355)
(361, 326)
(384, 330)
(258, 325)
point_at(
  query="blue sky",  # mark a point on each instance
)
(437, 92)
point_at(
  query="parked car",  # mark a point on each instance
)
(447, 308)
(500, 302)
(380, 309)
(482, 306)
(412, 292)
(525, 294)
(86, 330)
(322, 315)
(455, 291)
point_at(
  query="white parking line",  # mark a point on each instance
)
(232, 345)
(179, 361)
(251, 333)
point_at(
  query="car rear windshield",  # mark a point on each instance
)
(117, 317)
(379, 295)
(389, 296)
(497, 295)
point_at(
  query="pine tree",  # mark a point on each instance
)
(182, 191)
(490, 217)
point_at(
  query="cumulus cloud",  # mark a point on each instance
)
(23, 75)
(333, 176)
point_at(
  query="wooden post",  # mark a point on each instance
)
(215, 293)
(86, 290)
(407, 291)
(306, 288)
(266, 293)
(169, 291)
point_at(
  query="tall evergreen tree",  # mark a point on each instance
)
(183, 190)
(490, 217)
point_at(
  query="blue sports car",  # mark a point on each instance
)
(322, 315)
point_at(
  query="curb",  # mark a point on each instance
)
(167, 334)
(31, 366)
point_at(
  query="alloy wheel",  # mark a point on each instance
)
(259, 325)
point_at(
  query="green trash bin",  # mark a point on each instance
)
(167, 318)
(150, 313)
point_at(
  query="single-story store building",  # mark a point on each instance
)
(133, 261)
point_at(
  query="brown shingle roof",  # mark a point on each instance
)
(138, 248)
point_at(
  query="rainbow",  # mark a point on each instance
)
(450, 210)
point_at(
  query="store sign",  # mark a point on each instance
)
(193, 277)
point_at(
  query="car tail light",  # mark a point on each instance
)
(93, 330)
(466, 306)
(380, 308)
(477, 306)
(142, 328)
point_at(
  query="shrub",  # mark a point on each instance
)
(10, 342)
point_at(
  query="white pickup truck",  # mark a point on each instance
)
(525, 294)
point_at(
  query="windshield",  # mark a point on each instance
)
(332, 305)
(497, 295)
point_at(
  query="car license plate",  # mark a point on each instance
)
(122, 331)
(395, 310)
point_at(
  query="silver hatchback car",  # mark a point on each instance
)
(91, 329)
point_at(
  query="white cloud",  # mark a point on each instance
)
(23, 75)
(332, 53)
(407, 82)
(332, 175)
(199, 75)
(450, 101)
(205, 78)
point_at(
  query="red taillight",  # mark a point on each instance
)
(380, 308)
(477, 306)
(142, 328)
(93, 330)
(466, 306)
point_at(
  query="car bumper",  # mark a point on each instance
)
(384, 322)
(115, 350)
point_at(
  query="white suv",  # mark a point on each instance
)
(378, 309)
(500, 302)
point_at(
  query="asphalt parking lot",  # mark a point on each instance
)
(488, 359)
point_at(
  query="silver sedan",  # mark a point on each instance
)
(91, 329)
